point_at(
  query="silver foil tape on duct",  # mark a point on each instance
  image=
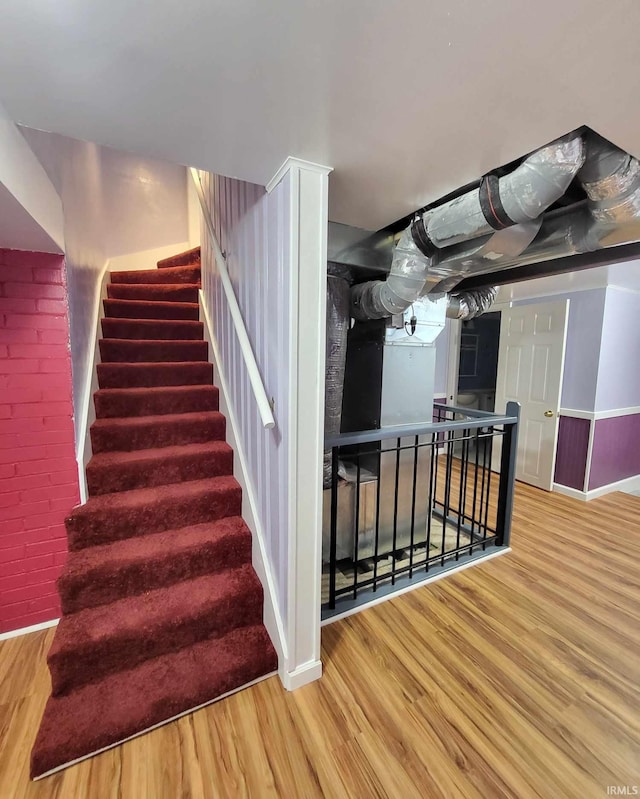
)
(467, 305)
(338, 319)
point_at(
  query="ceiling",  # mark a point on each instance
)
(406, 100)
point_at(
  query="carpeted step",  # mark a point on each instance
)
(182, 259)
(155, 292)
(110, 638)
(147, 375)
(152, 329)
(144, 432)
(147, 350)
(107, 712)
(115, 403)
(103, 574)
(174, 274)
(112, 517)
(112, 472)
(148, 309)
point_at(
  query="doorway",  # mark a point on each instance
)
(526, 367)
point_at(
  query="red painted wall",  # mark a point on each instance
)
(38, 472)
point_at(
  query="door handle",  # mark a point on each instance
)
(548, 413)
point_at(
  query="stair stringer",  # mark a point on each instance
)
(272, 617)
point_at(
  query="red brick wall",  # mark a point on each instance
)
(38, 473)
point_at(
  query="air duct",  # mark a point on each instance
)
(419, 266)
(336, 353)
(610, 216)
(467, 305)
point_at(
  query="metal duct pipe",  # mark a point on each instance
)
(469, 304)
(610, 216)
(498, 203)
(337, 328)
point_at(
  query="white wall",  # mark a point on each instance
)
(275, 245)
(114, 203)
(30, 208)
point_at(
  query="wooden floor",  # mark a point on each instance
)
(519, 677)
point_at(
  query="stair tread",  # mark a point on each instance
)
(142, 497)
(109, 459)
(171, 292)
(137, 401)
(159, 304)
(129, 616)
(148, 547)
(120, 705)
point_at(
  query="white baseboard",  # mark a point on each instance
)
(431, 579)
(628, 484)
(303, 675)
(34, 628)
(87, 413)
(272, 617)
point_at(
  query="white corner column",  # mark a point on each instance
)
(308, 252)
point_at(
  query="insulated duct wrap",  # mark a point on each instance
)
(336, 353)
(419, 266)
(378, 299)
(518, 197)
(469, 304)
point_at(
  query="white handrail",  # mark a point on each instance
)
(264, 406)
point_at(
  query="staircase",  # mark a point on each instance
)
(162, 610)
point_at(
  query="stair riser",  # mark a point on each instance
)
(183, 259)
(92, 719)
(103, 585)
(131, 309)
(179, 431)
(85, 529)
(123, 351)
(149, 376)
(152, 329)
(94, 659)
(173, 275)
(150, 473)
(116, 405)
(153, 293)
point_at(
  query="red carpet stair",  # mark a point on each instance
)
(162, 610)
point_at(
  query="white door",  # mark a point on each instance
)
(530, 367)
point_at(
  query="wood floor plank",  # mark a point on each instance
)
(517, 678)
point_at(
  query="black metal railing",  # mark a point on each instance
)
(407, 501)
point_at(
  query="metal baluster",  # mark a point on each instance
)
(430, 500)
(413, 503)
(334, 528)
(377, 533)
(395, 514)
(357, 529)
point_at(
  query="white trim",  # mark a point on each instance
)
(87, 411)
(631, 411)
(596, 415)
(628, 484)
(307, 291)
(154, 726)
(303, 675)
(431, 579)
(587, 466)
(259, 393)
(572, 413)
(272, 618)
(569, 492)
(290, 163)
(34, 628)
